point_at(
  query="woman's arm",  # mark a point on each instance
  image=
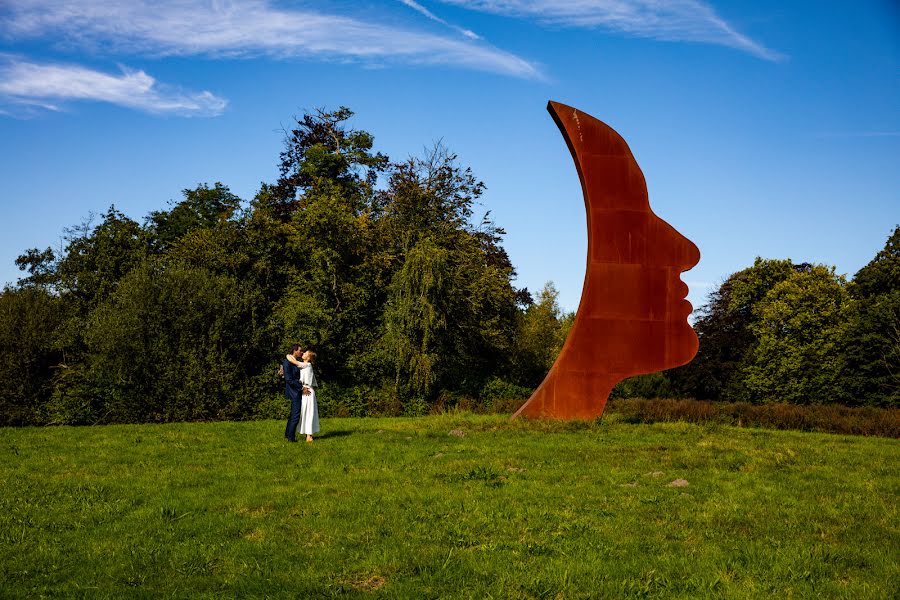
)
(293, 360)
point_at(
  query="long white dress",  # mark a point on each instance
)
(309, 409)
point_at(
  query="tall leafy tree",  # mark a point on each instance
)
(202, 207)
(321, 150)
(97, 258)
(542, 331)
(417, 318)
(873, 338)
(326, 197)
(725, 329)
(451, 312)
(29, 352)
(800, 325)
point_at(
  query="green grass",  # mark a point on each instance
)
(399, 508)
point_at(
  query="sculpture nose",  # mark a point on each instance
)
(668, 247)
(686, 250)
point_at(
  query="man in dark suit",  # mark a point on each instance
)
(293, 391)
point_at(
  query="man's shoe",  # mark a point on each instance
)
(287, 439)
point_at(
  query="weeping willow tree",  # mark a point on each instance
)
(416, 317)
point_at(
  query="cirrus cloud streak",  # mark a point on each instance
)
(668, 20)
(48, 86)
(430, 15)
(251, 28)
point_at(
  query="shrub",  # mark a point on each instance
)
(651, 385)
(829, 418)
(499, 392)
(273, 406)
(415, 407)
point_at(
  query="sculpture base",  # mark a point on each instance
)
(583, 397)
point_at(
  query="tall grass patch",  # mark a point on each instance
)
(830, 418)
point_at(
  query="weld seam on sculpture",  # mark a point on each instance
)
(632, 318)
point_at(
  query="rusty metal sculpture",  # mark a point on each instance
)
(632, 318)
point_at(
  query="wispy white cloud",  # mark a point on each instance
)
(424, 11)
(670, 20)
(222, 28)
(49, 86)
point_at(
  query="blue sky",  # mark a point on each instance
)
(767, 128)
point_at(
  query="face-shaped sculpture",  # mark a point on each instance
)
(633, 314)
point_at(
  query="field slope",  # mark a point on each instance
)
(449, 506)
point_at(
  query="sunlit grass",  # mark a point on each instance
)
(448, 506)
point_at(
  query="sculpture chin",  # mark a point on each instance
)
(686, 342)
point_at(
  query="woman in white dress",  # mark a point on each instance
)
(309, 409)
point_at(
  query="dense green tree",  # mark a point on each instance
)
(320, 150)
(97, 258)
(202, 207)
(417, 318)
(168, 345)
(29, 352)
(725, 328)
(451, 311)
(872, 346)
(326, 198)
(800, 327)
(41, 268)
(542, 331)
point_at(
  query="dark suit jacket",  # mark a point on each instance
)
(292, 383)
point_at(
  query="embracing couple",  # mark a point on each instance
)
(300, 389)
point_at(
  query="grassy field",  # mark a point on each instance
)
(452, 506)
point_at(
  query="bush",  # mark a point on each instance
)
(883, 422)
(336, 400)
(497, 392)
(273, 406)
(652, 385)
(415, 407)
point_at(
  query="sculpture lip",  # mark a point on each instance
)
(685, 304)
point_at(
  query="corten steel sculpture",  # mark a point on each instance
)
(632, 318)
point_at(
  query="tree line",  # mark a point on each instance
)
(390, 272)
(383, 267)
